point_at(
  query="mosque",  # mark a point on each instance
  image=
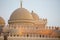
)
(23, 25)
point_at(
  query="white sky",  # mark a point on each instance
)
(49, 9)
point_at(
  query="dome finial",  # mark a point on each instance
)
(21, 3)
(32, 11)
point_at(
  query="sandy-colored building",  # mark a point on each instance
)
(23, 25)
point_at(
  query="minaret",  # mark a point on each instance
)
(21, 3)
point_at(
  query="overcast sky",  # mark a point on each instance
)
(49, 9)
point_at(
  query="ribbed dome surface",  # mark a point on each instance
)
(21, 14)
(2, 22)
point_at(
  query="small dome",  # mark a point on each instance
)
(2, 22)
(35, 16)
(21, 14)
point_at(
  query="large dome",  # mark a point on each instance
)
(21, 14)
(2, 22)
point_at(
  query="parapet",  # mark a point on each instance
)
(36, 35)
(53, 27)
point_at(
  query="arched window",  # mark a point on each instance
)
(11, 35)
(27, 35)
(17, 35)
(14, 35)
(58, 36)
(40, 36)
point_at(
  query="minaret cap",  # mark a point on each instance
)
(32, 11)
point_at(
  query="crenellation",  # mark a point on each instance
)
(53, 27)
